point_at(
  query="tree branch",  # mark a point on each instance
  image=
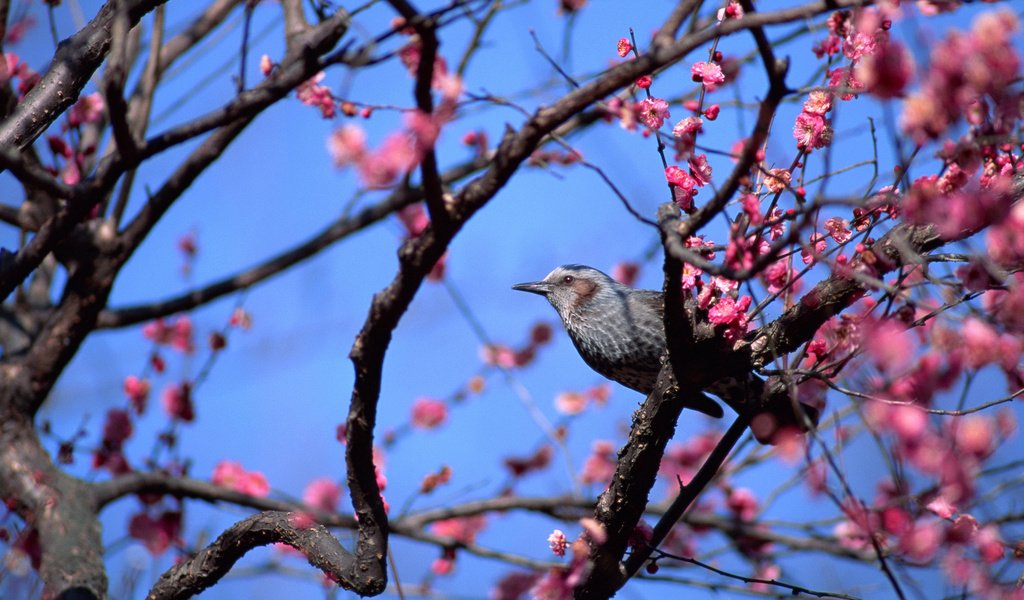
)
(210, 564)
(77, 58)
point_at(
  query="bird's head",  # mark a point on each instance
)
(570, 288)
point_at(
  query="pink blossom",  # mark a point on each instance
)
(322, 493)
(965, 69)
(827, 47)
(887, 72)
(157, 534)
(708, 73)
(839, 229)
(680, 178)
(732, 313)
(514, 586)
(975, 435)
(778, 180)
(88, 109)
(311, 93)
(71, 174)
(181, 335)
(921, 542)
(779, 275)
(347, 145)
(1006, 237)
(751, 204)
(231, 474)
(600, 465)
(623, 47)
(910, 423)
(557, 542)
(981, 343)
(625, 272)
(845, 81)
(941, 507)
(266, 65)
(301, 520)
(137, 391)
(570, 403)
(461, 529)
(815, 247)
(742, 503)
(652, 112)
(644, 82)
(858, 45)
(428, 413)
(424, 128)
(442, 566)
(396, 156)
(732, 11)
(989, 544)
(889, 345)
(498, 355)
(177, 402)
(8, 66)
(688, 126)
(18, 27)
(594, 530)
(240, 318)
(769, 572)
(116, 429)
(178, 333)
(811, 131)
(415, 220)
(700, 170)
(711, 112)
(818, 102)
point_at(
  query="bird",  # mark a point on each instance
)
(619, 332)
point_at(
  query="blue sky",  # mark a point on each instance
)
(276, 395)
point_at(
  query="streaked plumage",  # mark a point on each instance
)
(619, 331)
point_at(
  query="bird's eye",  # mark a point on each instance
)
(568, 279)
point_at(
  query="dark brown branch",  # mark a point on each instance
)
(295, 23)
(705, 475)
(426, 30)
(799, 323)
(77, 58)
(57, 505)
(47, 236)
(113, 82)
(418, 255)
(295, 68)
(210, 564)
(317, 41)
(565, 508)
(138, 110)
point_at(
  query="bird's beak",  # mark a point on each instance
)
(537, 287)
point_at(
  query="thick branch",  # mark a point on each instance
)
(210, 564)
(77, 58)
(58, 506)
(827, 299)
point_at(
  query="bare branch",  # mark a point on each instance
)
(210, 564)
(75, 61)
